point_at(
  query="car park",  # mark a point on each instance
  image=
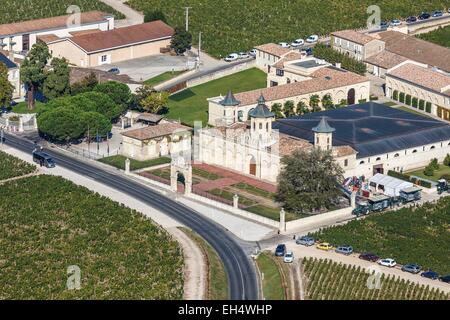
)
(396, 22)
(369, 257)
(424, 16)
(305, 241)
(430, 274)
(284, 44)
(243, 55)
(280, 250)
(114, 70)
(252, 53)
(445, 279)
(437, 13)
(388, 262)
(324, 246)
(347, 250)
(298, 43)
(313, 38)
(232, 57)
(288, 257)
(411, 19)
(412, 268)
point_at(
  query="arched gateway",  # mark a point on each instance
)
(181, 166)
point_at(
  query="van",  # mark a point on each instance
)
(43, 159)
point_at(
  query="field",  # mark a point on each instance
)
(240, 25)
(48, 224)
(439, 36)
(190, 105)
(410, 235)
(327, 280)
(11, 167)
(119, 162)
(20, 10)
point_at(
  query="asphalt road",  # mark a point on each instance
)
(242, 281)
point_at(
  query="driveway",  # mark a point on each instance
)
(148, 67)
(132, 16)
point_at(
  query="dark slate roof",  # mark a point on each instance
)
(230, 100)
(370, 128)
(261, 110)
(323, 127)
(9, 64)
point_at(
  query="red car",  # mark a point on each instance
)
(369, 257)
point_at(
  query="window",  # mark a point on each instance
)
(317, 140)
(26, 42)
(361, 162)
(433, 147)
(267, 127)
(414, 151)
(104, 58)
(345, 162)
(396, 155)
(260, 126)
(280, 72)
(378, 159)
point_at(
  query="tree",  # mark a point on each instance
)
(95, 122)
(181, 41)
(32, 70)
(88, 83)
(309, 180)
(120, 93)
(155, 102)
(434, 164)
(314, 103)
(61, 124)
(6, 88)
(150, 16)
(302, 108)
(289, 108)
(57, 81)
(277, 109)
(98, 102)
(447, 160)
(428, 171)
(327, 101)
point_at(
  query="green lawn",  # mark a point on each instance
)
(271, 278)
(163, 77)
(229, 196)
(165, 174)
(217, 278)
(190, 105)
(118, 161)
(48, 224)
(436, 176)
(273, 213)
(22, 107)
(439, 36)
(254, 190)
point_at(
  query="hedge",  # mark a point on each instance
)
(408, 178)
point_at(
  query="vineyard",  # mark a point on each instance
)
(234, 25)
(410, 235)
(48, 224)
(328, 280)
(11, 167)
(439, 36)
(21, 10)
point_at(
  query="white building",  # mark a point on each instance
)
(13, 75)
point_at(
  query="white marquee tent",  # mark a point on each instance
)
(392, 186)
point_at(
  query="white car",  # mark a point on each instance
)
(288, 257)
(313, 38)
(284, 44)
(232, 57)
(396, 22)
(243, 55)
(298, 43)
(252, 52)
(387, 262)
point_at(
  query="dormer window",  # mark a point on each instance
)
(280, 72)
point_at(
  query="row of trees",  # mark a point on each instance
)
(289, 109)
(322, 51)
(411, 101)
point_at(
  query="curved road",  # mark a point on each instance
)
(242, 280)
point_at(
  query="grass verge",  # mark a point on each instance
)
(272, 283)
(163, 77)
(118, 161)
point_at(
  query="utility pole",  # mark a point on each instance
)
(199, 45)
(187, 17)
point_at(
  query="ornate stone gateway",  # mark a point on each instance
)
(181, 164)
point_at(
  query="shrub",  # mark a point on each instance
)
(447, 160)
(415, 102)
(373, 98)
(395, 95)
(428, 171)
(402, 97)
(408, 99)
(434, 164)
(362, 101)
(399, 175)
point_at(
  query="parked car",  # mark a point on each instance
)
(307, 51)
(396, 22)
(388, 262)
(369, 257)
(347, 250)
(411, 19)
(430, 274)
(384, 24)
(288, 257)
(252, 52)
(313, 38)
(448, 10)
(305, 241)
(297, 43)
(284, 44)
(232, 57)
(243, 55)
(424, 16)
(437, 13)
(445, 279)
(412, 268)
(114, 70)
(280, 250)
(324, 246)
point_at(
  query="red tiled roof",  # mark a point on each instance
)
(160, 130)
(273, 49)
(291, 56)
(386, 59)
(104, 40)
(353, 36)
(48, 23)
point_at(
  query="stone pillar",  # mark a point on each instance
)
(282, 220)
(123, 123)
(188, 181)
(236, 201)
(353, 200)
(127, 165)
(35, 123)
(173, 178)
(20, 124)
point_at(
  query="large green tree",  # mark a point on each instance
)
(309, 181)
(61, 124)
(155, 102)
(6, 88)
(57, 82)
(32, 70)
(181, 41)
(88, 83)
(95, 122)
(120, 93)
